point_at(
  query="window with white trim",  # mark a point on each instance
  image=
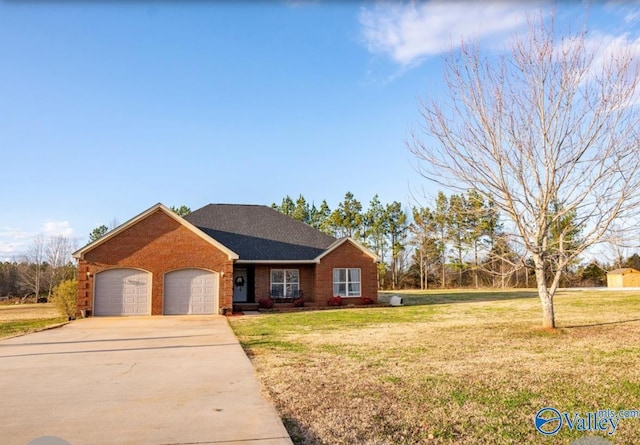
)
(346, 282)
(285, 283)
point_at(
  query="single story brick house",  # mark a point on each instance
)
(625, 277)
(160, 263)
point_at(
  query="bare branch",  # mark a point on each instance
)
(547, 132)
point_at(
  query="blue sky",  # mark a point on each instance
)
(107, 108)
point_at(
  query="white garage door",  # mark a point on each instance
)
(190, 291)
(122, 292)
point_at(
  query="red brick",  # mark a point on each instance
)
(156, 244)
(346, 255)
(159, 244)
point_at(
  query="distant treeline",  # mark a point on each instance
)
(46, 264)
(459, 241)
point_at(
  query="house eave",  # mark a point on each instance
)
(277, 262)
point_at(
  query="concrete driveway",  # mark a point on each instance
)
(134, 380)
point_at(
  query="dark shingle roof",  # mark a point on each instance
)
(260, 233)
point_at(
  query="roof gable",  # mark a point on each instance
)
(341, 241)
(79, 254)
(260, 233)
(623, 271)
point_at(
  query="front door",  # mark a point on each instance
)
(240, 285)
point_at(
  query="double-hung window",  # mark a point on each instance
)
(285, 283)
(346, 282)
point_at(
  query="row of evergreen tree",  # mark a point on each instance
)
(381, 227)
(440, 237)
(458, 241)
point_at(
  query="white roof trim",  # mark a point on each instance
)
(340, 242)
(79, 254)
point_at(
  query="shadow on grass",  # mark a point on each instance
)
(411, 299)
(606, 323)
(299, 433)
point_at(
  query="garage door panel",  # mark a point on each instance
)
(122, 292)
(190, 291)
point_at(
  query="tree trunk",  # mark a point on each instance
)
(548, 315)
(493, 272)
(476, 266)
(443, 284)
(460, 267)
(422, 268)
(426, 274)
(546, 296)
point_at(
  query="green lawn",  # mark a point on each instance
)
(456, 367)
(24, 318)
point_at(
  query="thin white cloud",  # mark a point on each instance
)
(13, 232)
(57, 228)
(607, 46)
(407, 33)
(632, 16)
(630, 10)
(15, 242)
(9, 250)
(608, 51)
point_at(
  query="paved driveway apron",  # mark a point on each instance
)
(134, 380)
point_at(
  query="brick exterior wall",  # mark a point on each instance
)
(263, 279)
(346, 255)
(156, 244)
(316, 280)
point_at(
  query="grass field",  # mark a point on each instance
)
(459, 368)
(24, 318)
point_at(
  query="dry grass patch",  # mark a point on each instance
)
(13, 312)
(456, 372)
(23, 318)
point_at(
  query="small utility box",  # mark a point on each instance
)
(396, 301)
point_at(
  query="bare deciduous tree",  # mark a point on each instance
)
(550, 129)
(46, 264)
(32, 274)
(57, 255)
